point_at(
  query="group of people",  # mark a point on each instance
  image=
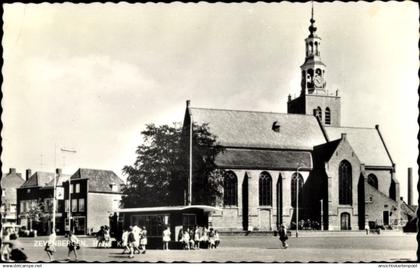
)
(198, 237)
(104, 237)
(73, 244)
(134, 240)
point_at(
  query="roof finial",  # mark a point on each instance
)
(312, 28)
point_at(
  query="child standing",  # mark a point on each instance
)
(124, 239)
(73, 245)
(143, 240)
(166, 237)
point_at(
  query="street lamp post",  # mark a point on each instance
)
(297, 200)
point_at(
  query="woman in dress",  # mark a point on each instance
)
(166, 237)
(197, 238)
(204, 237)
(50, 246)
(216, 238)
(73, 245)
(143, 240)
(186, 239)
(124, 240)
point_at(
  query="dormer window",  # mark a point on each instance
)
(276, 126)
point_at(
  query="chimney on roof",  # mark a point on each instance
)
(58, 171)
(28, 174)
(188, 103)
(289, 98)
(410, 186)
(343, 136)
(12, 170)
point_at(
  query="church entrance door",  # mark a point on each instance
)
(345, 221)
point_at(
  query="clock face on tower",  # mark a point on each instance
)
(318, 81)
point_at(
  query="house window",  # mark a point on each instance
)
(114, 187)
(345, 183)
(66, 205)
(373, 180)
(81, 205)
(230, 186)
(12, 208)
(71, 188)
(327, 116)
(265, 189)
(295, 177)
(77, 188)
(73, 205)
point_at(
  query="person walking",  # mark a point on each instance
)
(124, 240)
(137, 237)
(131, 242)
(143, 240)
(73, 245)
(283, 236)
(100, 237)
(50, 246)
(107, 237)
(166, 238)
(212, 242)
(216, 239)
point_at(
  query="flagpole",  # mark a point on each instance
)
(69, 151)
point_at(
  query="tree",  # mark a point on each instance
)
(159, 175)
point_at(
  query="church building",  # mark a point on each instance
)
(301, 162)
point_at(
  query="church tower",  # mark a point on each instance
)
(314, 98)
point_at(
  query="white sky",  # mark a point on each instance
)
(89, 77)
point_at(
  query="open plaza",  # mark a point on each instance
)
(308, 247)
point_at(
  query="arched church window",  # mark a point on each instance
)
(392, 190)
(230, 189)
(372, 180)
(345, 183)
(327, 116)
(296, 177)
(318, 71)
(265, 189)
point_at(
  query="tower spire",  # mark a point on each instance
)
(312, 28)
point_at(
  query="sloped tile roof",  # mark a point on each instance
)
(262, 159)
(99, 180)
(254, 129)
(39, 179)
(11, 180)
(366, 143)
(62, 178)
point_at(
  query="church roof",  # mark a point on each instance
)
(263, 159)
(366, 143)
(251, 129)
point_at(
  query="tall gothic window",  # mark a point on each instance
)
(265, 189)
(327, 116)
(296, 177)
(372, 180)
(345, 183)
(230, 197)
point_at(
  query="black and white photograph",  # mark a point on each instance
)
(210, 133)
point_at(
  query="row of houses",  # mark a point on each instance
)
(28, 201)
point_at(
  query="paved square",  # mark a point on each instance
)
(380, 248)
